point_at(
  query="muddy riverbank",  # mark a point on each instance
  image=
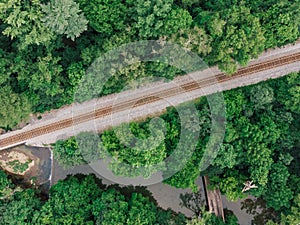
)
(28, 166)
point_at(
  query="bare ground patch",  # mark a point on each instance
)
(18, 162)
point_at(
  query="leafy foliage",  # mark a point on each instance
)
(62, 17)
(279, 194)
(105, 17)
(40, 70)
(85, 200)
(70, 202)
(14, 108)
(38, 61)
(210, 218)
(280, 22)
(151, 16)
(293, 217)
(194, 39)
(20, 208)
(237, 34)
(24, 21)
(254, 147)
(6, 186)
(68, 152)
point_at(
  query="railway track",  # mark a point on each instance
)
(156, 96)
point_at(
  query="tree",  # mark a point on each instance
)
(207, 218)
(237, 36)
(110, 208)
(15, 108)
(106, 17)
(20, 209)
(261, 97)
(46, 79)
(289, 92)
(5, 72)
(64, 17)
(133, 156)
(89, 146)
(68, 152)
(235, 102)
(141, 210)
(230, 185)
(279, 194)
(280, 23)
(151, 17)
(178, 19)
(6, 186)
(134, 208)
(188, 3)
(70, 202)
(293, 217)
(24, 22)
(39, 77)
(227, 157)
(193, 39)
(83, 200)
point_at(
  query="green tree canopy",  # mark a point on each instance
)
(151, 17)
(193, 39)
(64, 17)
(71, 202)
(293, 218)
(20, 209)
(281, 23)
(15, 108)
(237, 34)
(23, 21)
(106, 17)
(279, 194)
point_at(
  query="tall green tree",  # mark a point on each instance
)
(293, 217)
(20, 209)
(15, 108)
(106, 17)
(6, 186)
(39, 76)
(281, 23)
(279, 194)
(193, 39)
(177, 19)
(68, 152)
(110, 208)
(237, 36)
(64, 17)
(70, 202)
(151, 17)
(261, 97)
(5, 63)
(23, 21)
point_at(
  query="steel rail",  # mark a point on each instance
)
(153, 97)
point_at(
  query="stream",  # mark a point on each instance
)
(49, 172)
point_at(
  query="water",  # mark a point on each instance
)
(49, 172)
(40, 174)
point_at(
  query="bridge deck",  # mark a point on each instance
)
(214, 199)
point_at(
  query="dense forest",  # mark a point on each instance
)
(46, 46)
(261, 145)
(85, 200)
